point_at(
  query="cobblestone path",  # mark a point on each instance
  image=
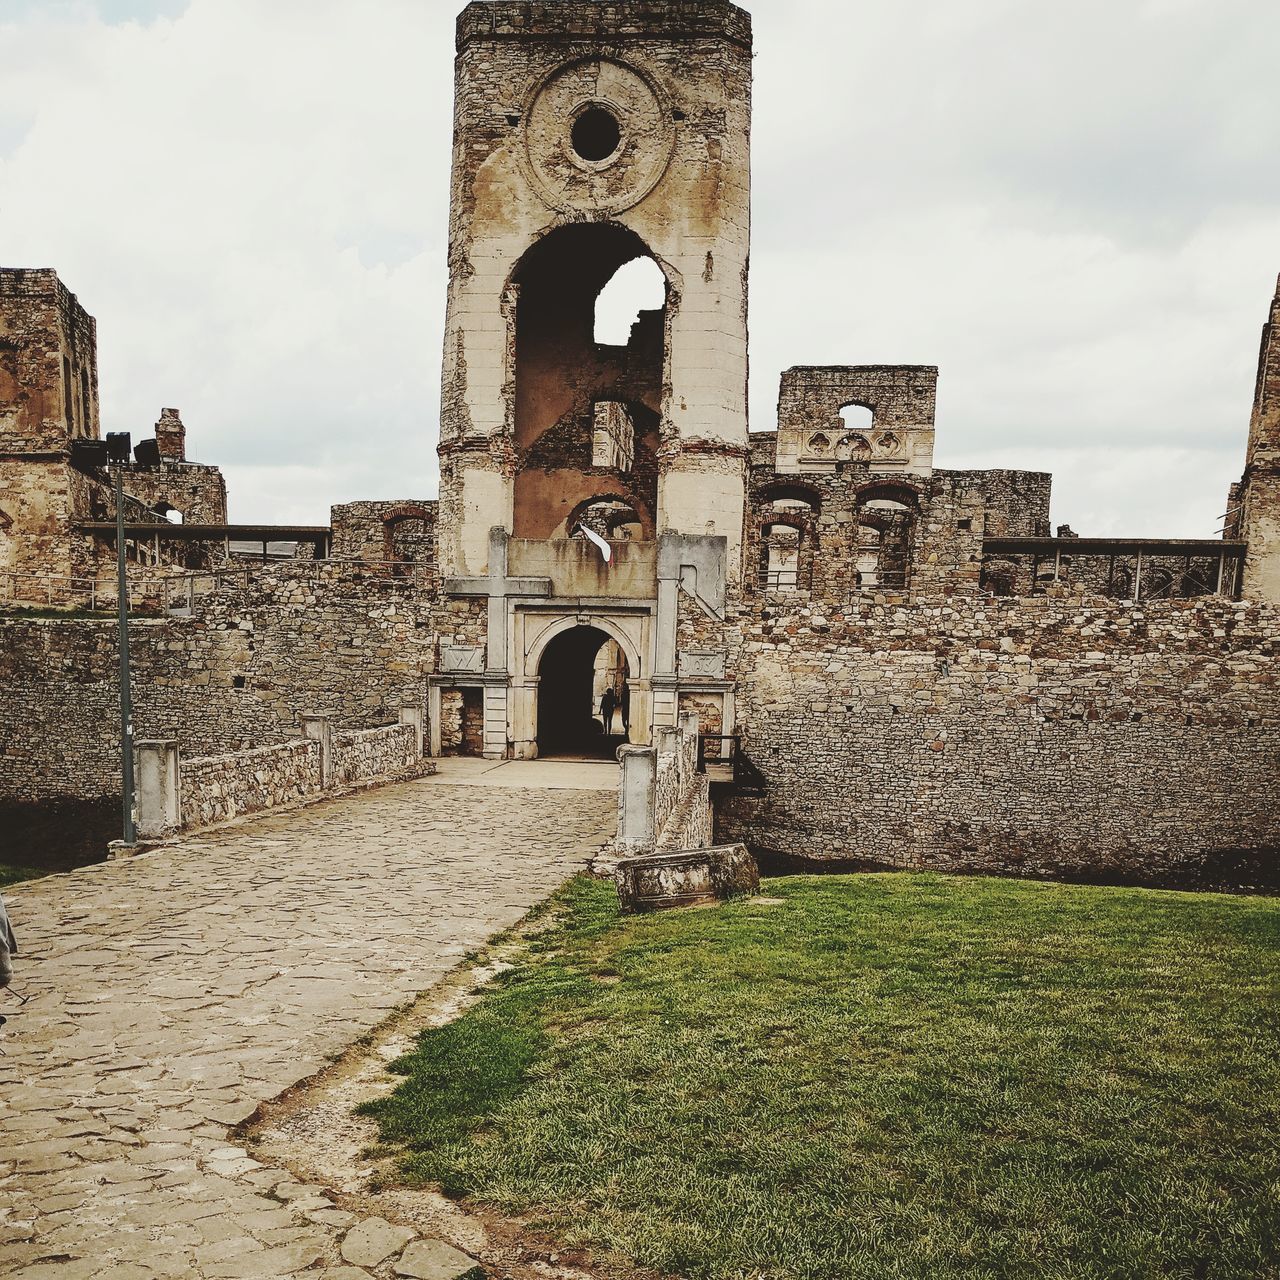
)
(172, 993)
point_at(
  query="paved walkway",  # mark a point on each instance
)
(173, 993)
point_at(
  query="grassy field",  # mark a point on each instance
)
(879, 1076)
(12, 875)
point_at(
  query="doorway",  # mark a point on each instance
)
(583, 696)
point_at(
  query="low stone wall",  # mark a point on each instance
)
(175, 794)
(218, 788)
(663, 801)
(367, 755)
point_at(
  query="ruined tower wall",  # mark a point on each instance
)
(48, 364)
(1259, 517)
(1042, 736)
(677, 75)
(48, 397)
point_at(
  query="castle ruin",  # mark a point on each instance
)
(889, 662)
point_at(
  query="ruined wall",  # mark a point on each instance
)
(1016, 502)
(48, 396)
(676, 77)
(35, 505)
(48, 364)
(300, 639)
(402, 531)
(198, 491)
(1037, 736)
(1259, 517)
(812, 435)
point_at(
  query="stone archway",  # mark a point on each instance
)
(578, 668)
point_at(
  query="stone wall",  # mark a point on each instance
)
(48, 364)
(663, 801)
(219, 788)
(367, 755)
(297, 639)
(403, 532)
(1043, 736)
(198, 491)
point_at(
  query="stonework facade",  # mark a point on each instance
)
(885, 661)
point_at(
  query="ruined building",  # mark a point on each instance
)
(889, 661)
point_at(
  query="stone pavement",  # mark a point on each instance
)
(173, 993)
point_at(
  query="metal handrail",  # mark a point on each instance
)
(180, 586)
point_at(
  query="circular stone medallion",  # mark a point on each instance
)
(597, 136)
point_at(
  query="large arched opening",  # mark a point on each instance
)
(588, 378)
(583, 695)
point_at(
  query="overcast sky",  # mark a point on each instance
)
(1074, 210)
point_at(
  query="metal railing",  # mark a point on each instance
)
(180, 588)
(724, 751)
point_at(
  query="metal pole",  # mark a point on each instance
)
(126, 704)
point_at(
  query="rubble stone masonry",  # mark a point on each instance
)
(1038, 735)
(300, 639)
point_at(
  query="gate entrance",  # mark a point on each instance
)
(583, 698)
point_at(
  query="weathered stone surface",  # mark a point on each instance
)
(434, 1260)
(687, 878)
(373, 1241)
(202, 979)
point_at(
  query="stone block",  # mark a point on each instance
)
(690, 877)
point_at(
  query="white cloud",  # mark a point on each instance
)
(1074, 211)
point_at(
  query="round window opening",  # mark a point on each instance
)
(596, 134)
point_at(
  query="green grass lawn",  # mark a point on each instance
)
(12, 875)
(881, 1076)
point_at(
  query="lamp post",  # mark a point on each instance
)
(126, 701)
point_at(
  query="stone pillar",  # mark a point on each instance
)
(319, 729)
(495, 722)
(636, 797)
(157, 777)
(434, 710)
(664, 740)
(690, 727)
(412, 714)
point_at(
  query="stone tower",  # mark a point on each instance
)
(1258, 519)
(587, 137)
(48, 398)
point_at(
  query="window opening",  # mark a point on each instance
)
(596, 134)
(613, 440)
(636, 287)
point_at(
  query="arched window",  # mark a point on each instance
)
(998, 578)
(1157, 584)
(886, 518)
(408, 536)
(610, 516)
(1120, 587)
(857, 417)
(780, 557)
(589, 304)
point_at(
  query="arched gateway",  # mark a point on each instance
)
(583, 695)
